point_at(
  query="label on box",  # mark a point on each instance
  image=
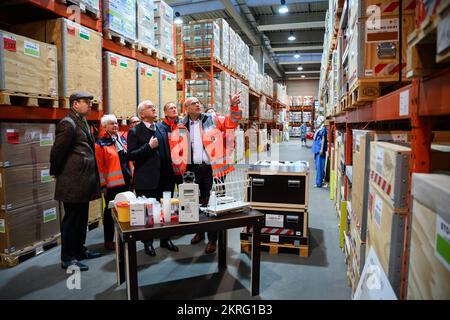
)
(82, 7)
(123, 62)
(45, 176)
(368, 72)
(404, 103)
(31, 48)
(2, 226)
(274, 238)
(357, 142)
(379, 160)
(9, 43)
(84, 33)
(45, 139)
(12, 136)
(137, 214)
(442, 249)
(113, 61)
(274, 220)
(298, 233)
(382, 30)
(163, 77)
(378, 210)
(443, 34)
(49, 215)
(70, 28)
(149, 72)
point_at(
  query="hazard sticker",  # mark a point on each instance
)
(9, 43)
(12, 136)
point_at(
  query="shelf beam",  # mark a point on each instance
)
(20, 113)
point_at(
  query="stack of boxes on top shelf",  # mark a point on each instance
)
(29, 217)
(119, 21)
(163, 27)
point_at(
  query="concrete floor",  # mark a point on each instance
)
(189, 274)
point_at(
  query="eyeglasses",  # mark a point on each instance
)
(133, 122)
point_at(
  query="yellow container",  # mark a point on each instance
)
(123, 211)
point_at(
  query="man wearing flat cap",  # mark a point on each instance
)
(72, 162)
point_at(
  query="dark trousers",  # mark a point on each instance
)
(204, 179)
(157, 194)
(73, 230)
(108, 223)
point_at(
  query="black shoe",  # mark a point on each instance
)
(169, 245)
(149, 250)
(74, 263)
(89, 255)
(197, 238)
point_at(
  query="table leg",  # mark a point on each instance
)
(131, 270)
(120, 268)
(223, 249)
(256, 257)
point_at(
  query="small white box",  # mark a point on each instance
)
(137, 213)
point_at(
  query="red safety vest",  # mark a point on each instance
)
(179, 146)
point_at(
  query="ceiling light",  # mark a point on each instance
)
(299, 68)
(296, 55)
(291, 36)
(178, 19)
(284, 8)
(303, 76)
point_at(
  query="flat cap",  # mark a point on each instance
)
(80, 95)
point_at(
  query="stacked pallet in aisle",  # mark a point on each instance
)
(253, 71)
(28, 71)
(168, 87)
(120, 86)
(148, 84)
(163, 25)
(79, 56)
(29, 217)
(224, 41)
(283, 198)
(233, 50)
(429, 259)
(377, 54)
(119, 21)
(145, 31)
(202, 88)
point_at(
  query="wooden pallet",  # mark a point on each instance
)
(119, 39)
(13, 259)
(65, 104)
(146, 49)
(275, 248)
(27, 99)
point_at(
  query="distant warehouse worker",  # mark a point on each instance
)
(72, 161)
(319, 148)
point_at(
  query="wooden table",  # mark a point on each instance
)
(127, 236)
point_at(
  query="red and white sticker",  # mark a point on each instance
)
(113, 61)
(12, 136)
(9, 43)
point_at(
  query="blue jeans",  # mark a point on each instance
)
(320, 168)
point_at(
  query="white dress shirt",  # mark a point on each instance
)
(198, 152)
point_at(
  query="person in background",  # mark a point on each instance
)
(319, 149)
(72, 162)
(144, 151)
(303, 134)
(132, 122)
(114, 168)
(201, 126)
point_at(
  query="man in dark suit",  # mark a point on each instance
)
(72, 161)
(145, 150)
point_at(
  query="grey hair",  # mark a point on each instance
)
(143, 105)
(107, 118)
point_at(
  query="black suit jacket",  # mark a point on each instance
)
(164, 149)
(147, 162)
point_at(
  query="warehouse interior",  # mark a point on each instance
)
(332, 177)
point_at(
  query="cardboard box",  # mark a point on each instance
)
(27, 66)
(119, 16)
(120, 85)
(145, 23)
(95, 209)
(25, 226)
(429, 260)
(168, 87)
(25, 143)
(148, 85)
(22, 186)
(163, 10)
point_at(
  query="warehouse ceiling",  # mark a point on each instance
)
(260, 25)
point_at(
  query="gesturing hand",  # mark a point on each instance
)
(153, 142)
(236, 99)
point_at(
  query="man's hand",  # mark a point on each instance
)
(153, 143)
(236, 99)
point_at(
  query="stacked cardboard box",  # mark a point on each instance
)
(245, 103)
(295, 101)
(27, 212)
(119, 18)
(148, 85)
(202, 88)
(233, 50)
(145, 23)
(163, 25)
(224, 41)
(252, 73)
(259, 82)
(167, 88)
(202, 37)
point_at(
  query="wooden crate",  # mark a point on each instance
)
(79, 56)
(148, 85)
(429, 260)
(168, 87)
(386, 234)
(276, 248)
(27, 67)
(120, 93)
(368, 70)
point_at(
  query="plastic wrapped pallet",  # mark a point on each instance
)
(224, 41)
(164, 36)
(245, 105)
(145, 23)
(119, 18)
(203, 35)
(225, 80)
(253, 68)
(233, 50)
(25, 143)
(168, 88)
(92, 5)
(148, 84)
(259, 82)
(25, 185)
(163, 10)
(120, 85)
(429, 261)
(79, 55)
(27, 66)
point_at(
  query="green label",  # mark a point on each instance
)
(49, 215)
(45, 176)
(84, 34)
(46, 139)
(123, 63)
(2, 226)
(31, 49)
(443, 242)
